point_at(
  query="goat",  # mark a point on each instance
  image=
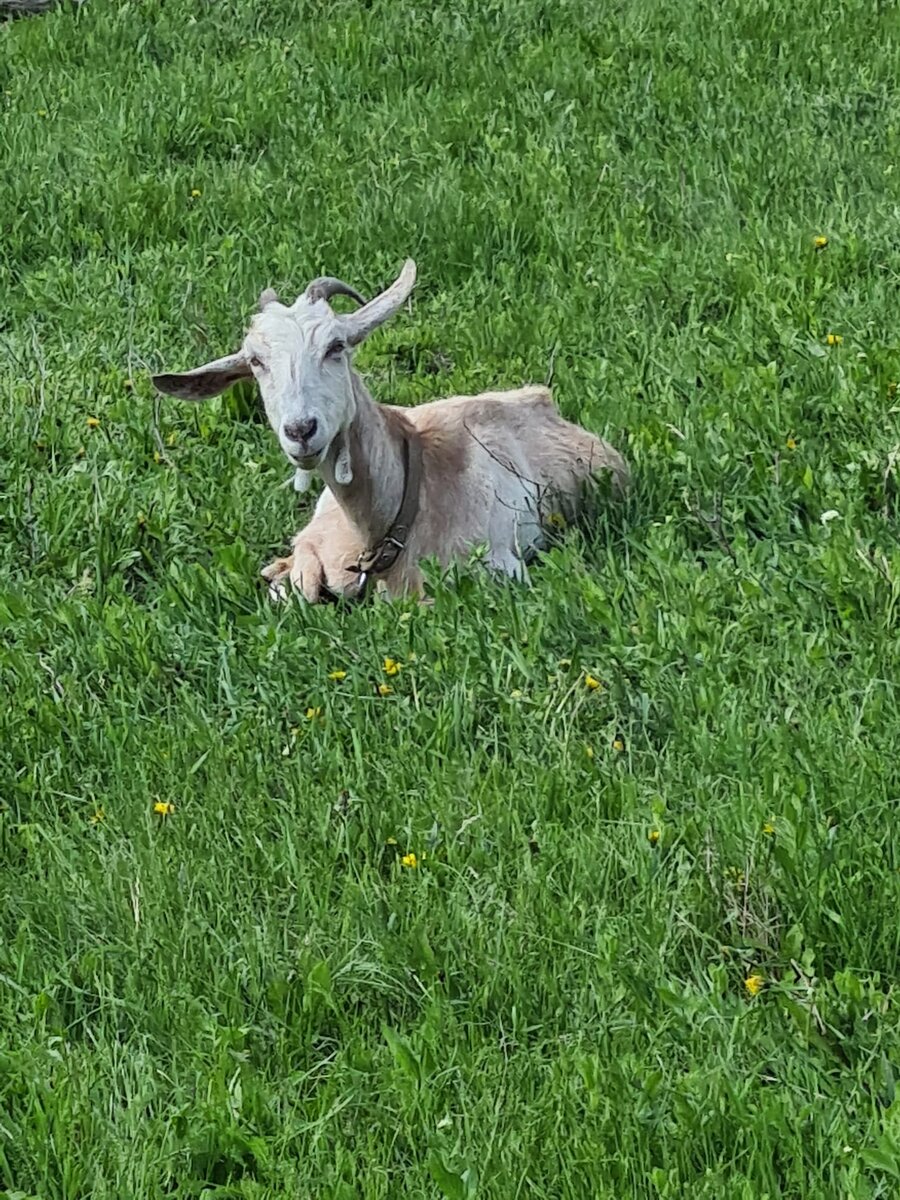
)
(402, 485)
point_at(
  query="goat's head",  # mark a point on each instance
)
(300, 357)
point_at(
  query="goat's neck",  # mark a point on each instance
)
(375, 442)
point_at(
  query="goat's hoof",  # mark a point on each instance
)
(278, 591)
(276, 574)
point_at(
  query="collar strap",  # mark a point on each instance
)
(382, 556)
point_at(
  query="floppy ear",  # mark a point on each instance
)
(207, 380)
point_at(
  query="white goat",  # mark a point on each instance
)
(402, 485)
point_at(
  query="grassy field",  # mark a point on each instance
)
(261, 994)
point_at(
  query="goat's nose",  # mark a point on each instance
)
(301, 431)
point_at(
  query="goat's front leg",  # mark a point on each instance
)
(321, 557)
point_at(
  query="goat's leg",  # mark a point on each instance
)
(322, 555)
(276, 574)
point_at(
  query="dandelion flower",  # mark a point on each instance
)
(589, 751)
(769, 828)
(195, 193)
(834, 339)
(618, 745)
(93, 422)
(312, 713)
(98, 816)
(163, 809)
(791, 443)
(653, 836)
(591, 683)
(409, 860)
(391, 666)
(391, 841)
(820, 242)
(42, 112)
(754, 983)
(337, 676)
(384, 689)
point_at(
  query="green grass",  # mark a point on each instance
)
(252, 997)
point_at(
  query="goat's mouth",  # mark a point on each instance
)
(307, 462)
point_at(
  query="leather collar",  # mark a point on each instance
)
(382, 556)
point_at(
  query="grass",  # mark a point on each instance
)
(252, 997)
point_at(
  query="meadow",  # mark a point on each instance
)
(394, 901)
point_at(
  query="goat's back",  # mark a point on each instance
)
(521, 429)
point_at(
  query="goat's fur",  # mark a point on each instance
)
(497, 469)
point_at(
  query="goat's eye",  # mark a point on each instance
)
(256, 362)
(335, 348)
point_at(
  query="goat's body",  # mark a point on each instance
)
(495, 468)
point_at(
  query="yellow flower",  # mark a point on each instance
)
(93, 422)
(391, 842)
(557, 520)
(391, 666)
(42, 112)
(834, 339)
(653, 836)
(754, 983)
(337, 676)
(171, 439)
(384, 689)
(589, 751)
(312, 713)
(195, 192)
(162, 809)
(769, 827)
(820, 242)
(618, 745)
(157, 457)
(409, 860)
(791, 443)
(591, 683)
(98, 816)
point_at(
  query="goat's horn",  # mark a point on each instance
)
(327, 286)
(360, 324)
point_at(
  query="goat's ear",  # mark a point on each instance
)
(360, 324)
(205, 381)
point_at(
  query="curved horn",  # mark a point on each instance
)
(327, 286)
(360, 324)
